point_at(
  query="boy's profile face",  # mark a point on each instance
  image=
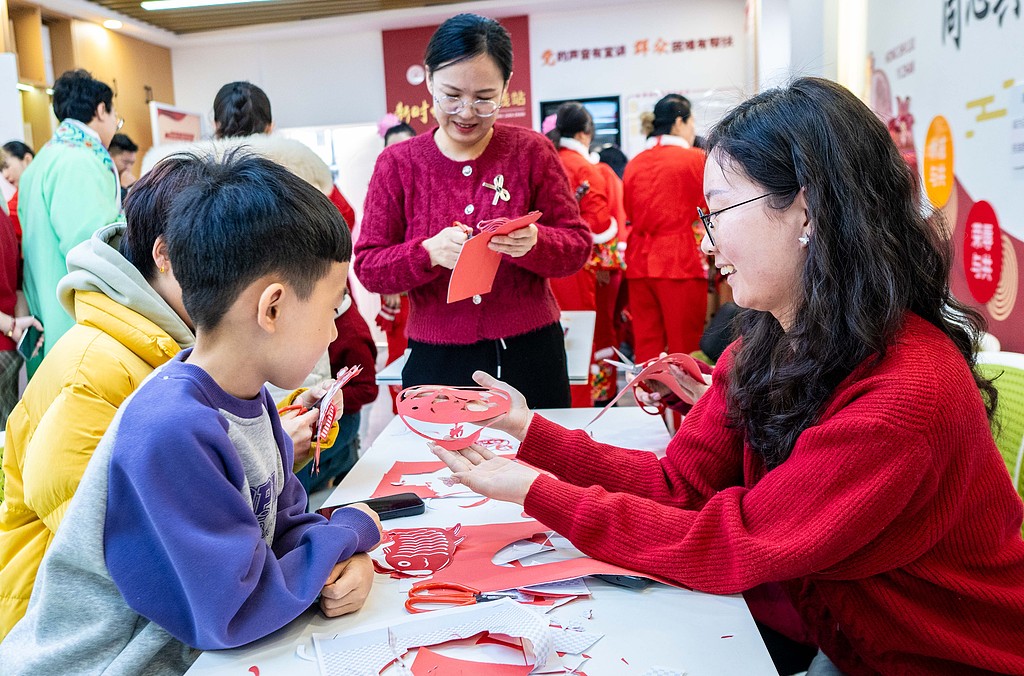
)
(306, 327)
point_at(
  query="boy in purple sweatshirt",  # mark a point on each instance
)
(188, 531)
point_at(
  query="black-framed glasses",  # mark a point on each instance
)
(706, 217)
(453, 105)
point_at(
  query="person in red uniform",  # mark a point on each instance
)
(666, 272)
(844, 449)
(572, 135)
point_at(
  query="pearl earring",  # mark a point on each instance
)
(804, 240)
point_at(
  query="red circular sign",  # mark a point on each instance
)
(983, 251)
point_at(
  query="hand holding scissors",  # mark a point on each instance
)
(429, 593)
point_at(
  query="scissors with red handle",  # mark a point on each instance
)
(429, 593)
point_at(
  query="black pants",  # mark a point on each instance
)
(533, 363)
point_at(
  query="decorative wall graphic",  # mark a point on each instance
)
(969, 105)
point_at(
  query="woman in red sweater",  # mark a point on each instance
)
(844, 448)
(468, 170)
(666, 272)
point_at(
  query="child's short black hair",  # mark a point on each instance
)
(248, 217)
(76, 94)
(148, 205)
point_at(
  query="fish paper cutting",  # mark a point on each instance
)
(418, 552)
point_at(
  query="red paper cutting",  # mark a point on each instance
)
(393, 484)
(477, 265)
(419, 552)
(474, 567)
(450, 416)
(658, 369)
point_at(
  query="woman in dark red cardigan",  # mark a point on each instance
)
(469, 170)
(843, 449)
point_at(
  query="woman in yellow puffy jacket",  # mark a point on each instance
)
(130, 319)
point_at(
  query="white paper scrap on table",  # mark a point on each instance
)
(663, 671)
(574, 642)
(576, 586)
(367, 651)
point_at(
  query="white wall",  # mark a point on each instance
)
(320, 80)
(331, 73)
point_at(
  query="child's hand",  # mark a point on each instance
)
(313, 394)
(347, 586)
(363, 507)
(299, 427)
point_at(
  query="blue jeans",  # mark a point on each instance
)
(821, 665)
(336, 461)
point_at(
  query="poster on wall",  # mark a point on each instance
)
(691, 47)
(405, 76)
(173, 125)
(956, 111)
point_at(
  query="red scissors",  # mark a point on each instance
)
(429, 593)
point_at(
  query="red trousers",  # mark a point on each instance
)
(577, 292)
(668, 315)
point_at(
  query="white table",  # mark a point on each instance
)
(579, 340)
(659, 626)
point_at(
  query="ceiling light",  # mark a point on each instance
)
(153, 5)
(25, 88)
(113, 24)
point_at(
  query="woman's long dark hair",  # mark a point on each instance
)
(875, 253)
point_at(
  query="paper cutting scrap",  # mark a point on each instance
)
(365, 652)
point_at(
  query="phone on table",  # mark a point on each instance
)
(628, 581)
(388, 507)
(28, 344)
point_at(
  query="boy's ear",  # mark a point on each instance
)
(160, 255)
(269, 308)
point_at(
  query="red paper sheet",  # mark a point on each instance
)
(477, 265)
(472, 563)
(429, 663)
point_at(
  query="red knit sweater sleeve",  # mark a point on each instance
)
(563, 239)
(845, 481)
(385, 262)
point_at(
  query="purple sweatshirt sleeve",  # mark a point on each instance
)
(385, 262)
(564, 241)
(182, 543)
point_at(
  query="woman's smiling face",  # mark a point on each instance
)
(757, 248)
(478, 78)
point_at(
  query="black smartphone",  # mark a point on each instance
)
(389, 507)
(28, 343)
(628, 581)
